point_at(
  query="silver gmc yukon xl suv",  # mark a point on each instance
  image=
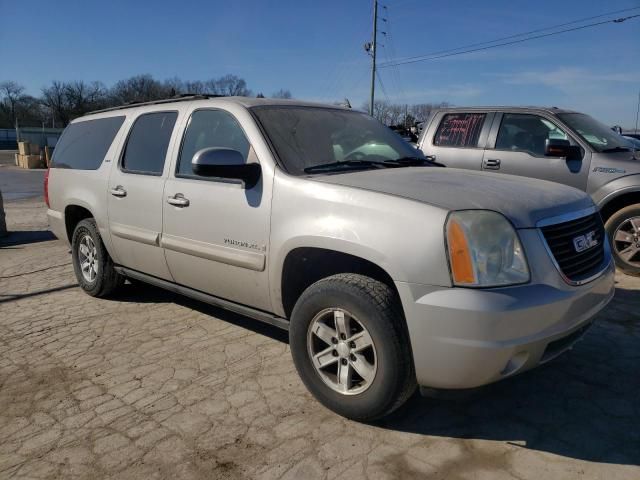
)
(388, 271)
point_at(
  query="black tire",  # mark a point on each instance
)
(613, 223)
(106, 280)
(376, 307)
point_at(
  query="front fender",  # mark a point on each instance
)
(615, 188)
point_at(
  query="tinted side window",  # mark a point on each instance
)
(83, 145)
(210, 128)
(526, 133)
(459, 130)
(148, 141)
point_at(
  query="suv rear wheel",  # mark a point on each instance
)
(91, 261)
(350, 346)
(623, 229)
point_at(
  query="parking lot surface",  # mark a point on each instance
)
(149, 384)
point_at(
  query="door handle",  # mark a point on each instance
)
(178, 200)
(119, 191)
(492, 164)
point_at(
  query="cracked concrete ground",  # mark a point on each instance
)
(152, 385)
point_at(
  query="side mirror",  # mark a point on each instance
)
(556, 147)
(225, 163)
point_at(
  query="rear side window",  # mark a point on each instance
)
(459, 130)
(83, 145)
(147, 144)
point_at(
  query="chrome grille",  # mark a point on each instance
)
(567, 238)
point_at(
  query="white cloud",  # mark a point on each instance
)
(568, 78)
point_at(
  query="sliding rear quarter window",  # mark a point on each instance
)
(83, 145)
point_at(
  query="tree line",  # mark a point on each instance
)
(403, 115)
(61, 102)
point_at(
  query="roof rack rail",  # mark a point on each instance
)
(178, 98)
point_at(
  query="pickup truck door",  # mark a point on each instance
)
(457, 139)
(516, 146)
(216, 231)
(135, 193)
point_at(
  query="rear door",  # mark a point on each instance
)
(457, 139)
(135, 197)
(517, 145)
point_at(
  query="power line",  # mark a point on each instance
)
(454, 52)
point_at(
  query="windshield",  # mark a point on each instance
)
(306, 137)
(598, 135)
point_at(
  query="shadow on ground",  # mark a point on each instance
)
(26, 237)
(584, 405)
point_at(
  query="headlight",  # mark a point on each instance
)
(484, 250)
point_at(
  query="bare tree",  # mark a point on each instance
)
(282, 93)
(228, 85)
(55, 98)
(11, 94)
(140, 88)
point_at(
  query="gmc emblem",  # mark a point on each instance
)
(585, 242)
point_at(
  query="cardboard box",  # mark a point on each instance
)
(30, 161)
(17, 159)
(34, 149)
(23, 148)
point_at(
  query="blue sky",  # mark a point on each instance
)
(314, 48)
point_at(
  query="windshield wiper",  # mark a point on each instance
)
(616, 149)
(413, 162)
(359, 164)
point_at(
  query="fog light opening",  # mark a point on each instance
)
(515, 363)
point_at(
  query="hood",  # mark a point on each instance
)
(522, 200)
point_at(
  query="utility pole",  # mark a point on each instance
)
(372, 50)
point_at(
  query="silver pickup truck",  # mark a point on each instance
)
(552, 144)
(387, 271)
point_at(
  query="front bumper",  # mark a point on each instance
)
(466, 338)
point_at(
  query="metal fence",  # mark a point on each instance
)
(39, 136)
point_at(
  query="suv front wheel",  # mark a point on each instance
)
(350, 346)
(91, 261)
(623, 230)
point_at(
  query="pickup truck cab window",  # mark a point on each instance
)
(147, 144)
(527, 133)
(461, 130)
(210, 128)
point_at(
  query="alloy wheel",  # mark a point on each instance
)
(626, 241)
(88, 258)
(342, 351)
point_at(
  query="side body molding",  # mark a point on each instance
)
(230, 256)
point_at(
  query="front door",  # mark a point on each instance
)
(135, 197)
(519, 146)
(216, 231)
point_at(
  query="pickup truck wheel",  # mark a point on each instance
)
(91, 261)
(350, 346)
(623, 229)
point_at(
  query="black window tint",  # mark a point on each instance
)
(459, 130)
(148, 142)
(527, 133)
(210, 128)
(83, 145)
